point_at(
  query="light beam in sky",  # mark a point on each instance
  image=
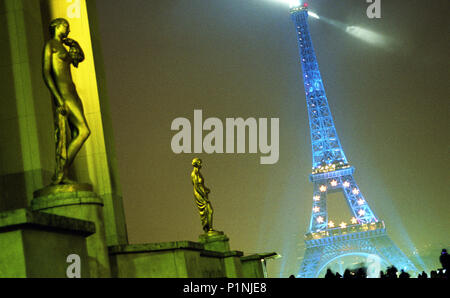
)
(313, 14)
(366, 35)
(363, 34)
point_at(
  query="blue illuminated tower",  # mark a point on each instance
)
(331, 172)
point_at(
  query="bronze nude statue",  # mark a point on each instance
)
(71, 128)
(201, 197)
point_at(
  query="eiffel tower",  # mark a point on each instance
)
(366, 235)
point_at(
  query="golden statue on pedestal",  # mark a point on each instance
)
(201, 197)
(69, 113)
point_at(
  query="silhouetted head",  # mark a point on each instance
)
(58, 27)
(444, 251)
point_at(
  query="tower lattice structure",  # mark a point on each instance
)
(366, 234)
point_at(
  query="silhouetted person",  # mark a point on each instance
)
(433, 274)
(338, 275)
(444, 258)
(403, 274)
(291, 276)
(361, 273)
(423, 275)
(391, 272)
(347, 274)
(329, 274)
(382, 275)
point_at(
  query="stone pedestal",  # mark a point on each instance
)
(78, 201)
(180, 259)
(185, 259)
(35, 244)
(215, 241)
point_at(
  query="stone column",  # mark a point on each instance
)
(26, 120)
(218, 241)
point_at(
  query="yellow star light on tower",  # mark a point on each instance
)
(331, 224)
(354, 220)
(361, 212)
(320, 219)
(323, 188)
(316, 198)
(333, 183)
(343, 225)
(346, 184)
(355, 191)
(316, 209)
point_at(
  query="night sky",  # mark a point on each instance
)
(239, 58)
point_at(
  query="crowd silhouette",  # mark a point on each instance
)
(392, 271)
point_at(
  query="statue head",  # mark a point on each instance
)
(59, 26)
(197, 163)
